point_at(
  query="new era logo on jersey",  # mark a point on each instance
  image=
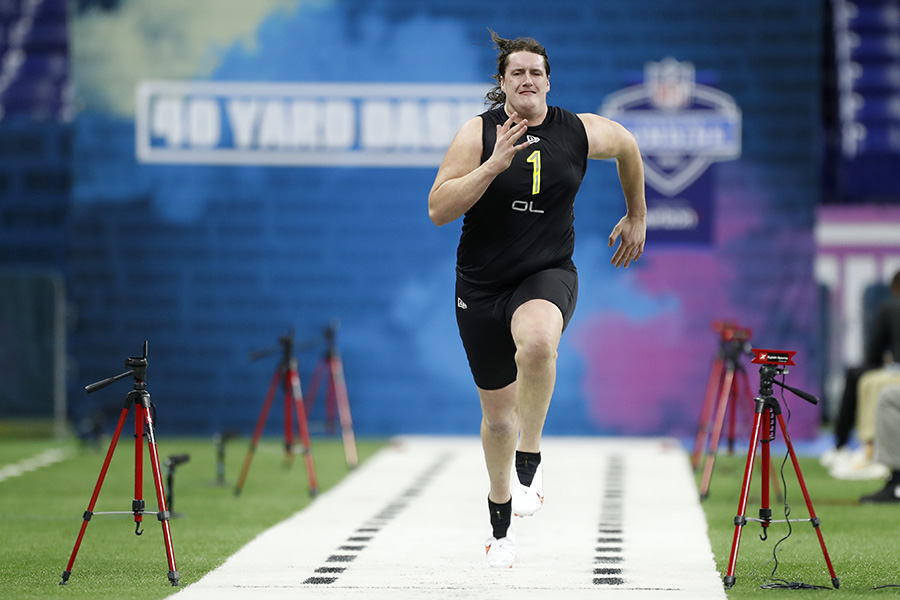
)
(532, 139)
(461, 304)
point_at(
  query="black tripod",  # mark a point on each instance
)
(143, 426)
(285, 374)
(220, 439)
(171, 465)
(769, 410)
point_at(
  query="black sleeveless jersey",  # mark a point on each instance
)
(524, 222)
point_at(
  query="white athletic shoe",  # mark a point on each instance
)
(501, 554)
(860, 471)
(528, 500)
(834, 456)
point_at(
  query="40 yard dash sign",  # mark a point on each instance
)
(301, 124)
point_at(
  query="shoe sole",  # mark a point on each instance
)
(532, 513)
(487, 549)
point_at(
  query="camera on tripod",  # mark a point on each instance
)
(773, 362)
(780, 358)
(735, 340)
(733, 333)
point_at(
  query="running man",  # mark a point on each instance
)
(513, 171)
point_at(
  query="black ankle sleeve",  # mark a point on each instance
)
(501, 517)
(526, 465)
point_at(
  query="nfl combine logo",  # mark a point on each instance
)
(681, 126)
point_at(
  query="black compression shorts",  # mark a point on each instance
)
(484, 319)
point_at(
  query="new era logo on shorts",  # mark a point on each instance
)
(460, 303)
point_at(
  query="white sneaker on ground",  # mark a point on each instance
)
(859, 471)
(834, 456)
(528, 500)
(501, 554)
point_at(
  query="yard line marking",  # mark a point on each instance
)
(33, 463)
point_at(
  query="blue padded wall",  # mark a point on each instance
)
(210, 263)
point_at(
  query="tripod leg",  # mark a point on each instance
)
(748, 394)
(812, 512)
(339, 388)
(288, 422)
(765, 510)
(331, 410)
(740, 520)
(312, 392)
(137, 505)
(712, 391)
(163, 514)
(260, 424)
(90, 509)
(295, 390)
(725, 392)
(732, 413)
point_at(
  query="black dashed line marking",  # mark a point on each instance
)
(610, 527)
(341, 558)
(320, 580)
(607, 560)
(394, 507)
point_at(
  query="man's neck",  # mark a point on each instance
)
(533, 119)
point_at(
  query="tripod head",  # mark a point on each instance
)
(138, 366)
(734, 340)
(772, 363)
(285, 348)
(330, 334)
(177, 459)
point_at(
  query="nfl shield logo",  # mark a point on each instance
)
(682, 127)
(671, 83)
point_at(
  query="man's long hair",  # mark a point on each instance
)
(496, 96)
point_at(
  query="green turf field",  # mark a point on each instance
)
(41, 513)
(862, 540)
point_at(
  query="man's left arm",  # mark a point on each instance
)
(608, 139)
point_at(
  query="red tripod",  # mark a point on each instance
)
(713, 387)
(336, 399)
(286, 374)
(143, 425)
(726, 376)
(768, 409)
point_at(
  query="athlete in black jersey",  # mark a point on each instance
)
(513, 171)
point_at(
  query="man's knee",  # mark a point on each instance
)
(536, 349)
(537, 326)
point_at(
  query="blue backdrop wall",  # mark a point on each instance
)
(220, 198)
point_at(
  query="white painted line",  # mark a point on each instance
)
(621, 519)
(26, 465)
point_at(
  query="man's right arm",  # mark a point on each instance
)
(462, 178)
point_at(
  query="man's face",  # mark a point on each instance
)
(526, 82)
